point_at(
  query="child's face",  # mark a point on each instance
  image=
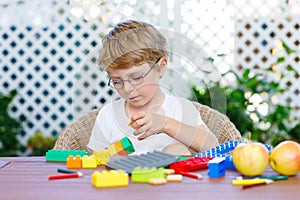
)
(140, 83)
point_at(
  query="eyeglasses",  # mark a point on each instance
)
(119, 84)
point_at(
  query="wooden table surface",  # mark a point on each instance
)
(27, 178)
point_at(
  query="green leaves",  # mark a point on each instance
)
(9, 127)
(271, 128)
(287, 49)
(40, 144)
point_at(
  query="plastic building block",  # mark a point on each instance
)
(102, 157)
(190, 164)
(127, 145)
(143, 175)
(62, 155)
(157, 181)
(122, 147)
(112, 150)
(111, 178)
(150, 159)
(216, 167)
(118, 146)
(221, 150)
(268, 147)
(122, 153)
(229, 162)
(174, 178)
(74, 162)
(89, 161)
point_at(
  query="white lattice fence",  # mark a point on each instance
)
(259, 41)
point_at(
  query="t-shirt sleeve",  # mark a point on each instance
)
(190, 114)
(98, 140)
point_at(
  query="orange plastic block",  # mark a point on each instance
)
(102, 157)
(112, 150)
(111, 178)
(89, 161)
(74, 162)
(118, 146)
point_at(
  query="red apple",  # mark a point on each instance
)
(285, 158)
(251, 159)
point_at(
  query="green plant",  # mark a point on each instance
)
(39, 144)
(250, 105)
(9, 127)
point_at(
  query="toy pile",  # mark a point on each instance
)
(155, 167)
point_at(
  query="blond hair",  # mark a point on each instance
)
(132, 43)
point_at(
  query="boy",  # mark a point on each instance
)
(135, 56)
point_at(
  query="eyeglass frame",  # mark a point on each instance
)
(130, 79)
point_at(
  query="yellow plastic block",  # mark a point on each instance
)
(111, 178)
(157, 181)
(112, 150)
(102, 157)
(74, 162)
(143, 175)
(89, 161)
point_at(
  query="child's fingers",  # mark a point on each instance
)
(138, 122)
(131, 124)
(145, 135)
(140, 130)
(134, 118)
(137, 116)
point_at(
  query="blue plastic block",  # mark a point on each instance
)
(216, 167)
(221, 150)
(229, 162)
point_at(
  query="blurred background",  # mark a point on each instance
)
(241, 58)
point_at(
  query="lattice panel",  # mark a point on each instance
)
(259, 45)
(49, 56)
(212, 32)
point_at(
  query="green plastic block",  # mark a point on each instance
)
(127, 145)
(55, 155)
(183, 158)
(143, 175)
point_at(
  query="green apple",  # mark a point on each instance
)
(285, 158)
(251, 159)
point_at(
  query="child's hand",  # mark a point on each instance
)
(147, 124)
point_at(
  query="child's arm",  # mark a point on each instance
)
(177, 149)
(197, 138)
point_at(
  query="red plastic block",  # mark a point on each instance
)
(123, 153)
(191, 164)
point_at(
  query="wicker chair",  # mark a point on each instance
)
(76, 136)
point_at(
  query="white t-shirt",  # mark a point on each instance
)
(111, 125)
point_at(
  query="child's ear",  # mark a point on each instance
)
(162, 66)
